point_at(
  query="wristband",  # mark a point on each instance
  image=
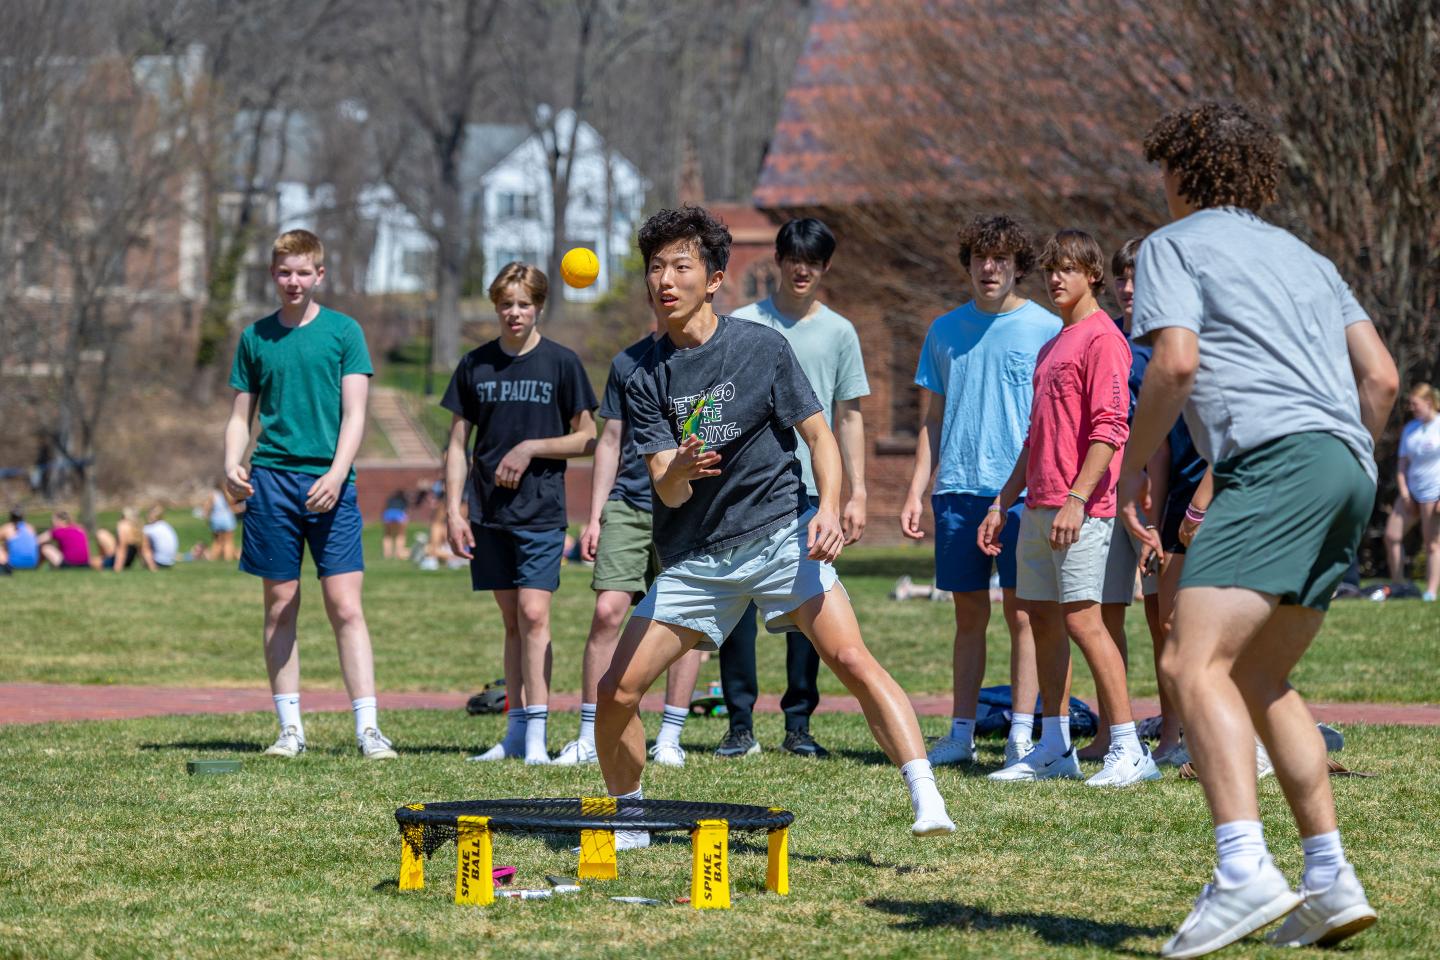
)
(1194, 515)
(994, 508)
(1083, 500)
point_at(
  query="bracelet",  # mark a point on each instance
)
(1077, 496)
(994, 508)
(1194, 515)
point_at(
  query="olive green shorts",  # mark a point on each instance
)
(625, 559)
(1286, 520)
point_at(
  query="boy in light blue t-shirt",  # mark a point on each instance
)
(975, 368)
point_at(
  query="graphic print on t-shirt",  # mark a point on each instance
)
(703, 415)
(515, 391)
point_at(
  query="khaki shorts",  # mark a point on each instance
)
(625, 559)
(1071, 575)
(1122, 566)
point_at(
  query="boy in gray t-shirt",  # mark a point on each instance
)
(1287, 383)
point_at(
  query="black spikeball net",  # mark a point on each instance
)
(428, 826)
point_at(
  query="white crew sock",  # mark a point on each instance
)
(1241, 846)
(963, 730)
(587, 722)
(925, 797)
(1054, 736)
(287, 708)
(1123, 735)
(1022, 728)
(514, 740)
(631, 839)
(364, 708)
(1324, 859)
(536, 719)
(671, 725)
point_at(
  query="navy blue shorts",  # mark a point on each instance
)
(960, 565)
(277, 527)
(511, 559)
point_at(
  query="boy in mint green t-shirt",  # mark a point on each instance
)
(305, 370)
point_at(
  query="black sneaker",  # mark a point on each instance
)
(800, 743)
(738, 743)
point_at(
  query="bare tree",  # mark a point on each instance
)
(431, 70)
(103, 160)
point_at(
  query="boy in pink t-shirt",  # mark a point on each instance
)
(1069, 467)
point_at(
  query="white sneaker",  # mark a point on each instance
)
(668, 754)
(1015, 749)
(1327, 916)
(290, 744)
(1037, 766)
(626, 840)
(374, 745)
(949, 750)
(1125, 769)
(501, 751)
(1263, 766)
(575, 753)
(1223, 915)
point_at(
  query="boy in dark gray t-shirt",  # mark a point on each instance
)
(714, 409)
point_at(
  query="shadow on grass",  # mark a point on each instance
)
(1050, 927)
(207, 746)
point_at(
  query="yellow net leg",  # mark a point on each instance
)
(710, 869)
(597, 847)
(597, 855)
(412, 862)
(474, 881)
(777, 868)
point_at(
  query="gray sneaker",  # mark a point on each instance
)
(374, 745)
(1327, 916)
(738, 743)
(290, 744)
(1223, 915)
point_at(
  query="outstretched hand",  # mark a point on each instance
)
(693, 462)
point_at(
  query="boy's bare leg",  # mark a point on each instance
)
(680, 680)
(1052, 661)
(509, 603)
(646, 649)
(610, 609)
(1170, 572)
(282, 653)
(352, 634)
(1212, 626)
(1113, 617)
(972, 616)
(533, 607)
(1087, 628)
(829, 621)
(1281, 717)
(1024, 680)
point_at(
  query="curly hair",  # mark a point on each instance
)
(988, 235)
(1224, 154)
(689, 223)
(1075, 250)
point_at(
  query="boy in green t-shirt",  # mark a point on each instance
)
(305, 369)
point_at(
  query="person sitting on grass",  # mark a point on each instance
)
(161, 545)
(66, 545)
(120, 550)
(1068, 469)
(715, 408)
(306, 370)
(1287, 386)
(396, 520)
(19, 542)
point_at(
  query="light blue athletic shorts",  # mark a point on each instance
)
(710, 593)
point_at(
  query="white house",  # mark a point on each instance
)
(508, 206)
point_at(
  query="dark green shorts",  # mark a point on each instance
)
(1286, 519)
(625, 559)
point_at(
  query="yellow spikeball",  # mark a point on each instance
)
(580, 267)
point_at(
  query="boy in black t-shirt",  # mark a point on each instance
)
(715, 408)
(529, 403)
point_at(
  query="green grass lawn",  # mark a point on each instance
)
(199, 624)
(113, 851)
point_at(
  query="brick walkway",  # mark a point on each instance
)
(45, 703)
